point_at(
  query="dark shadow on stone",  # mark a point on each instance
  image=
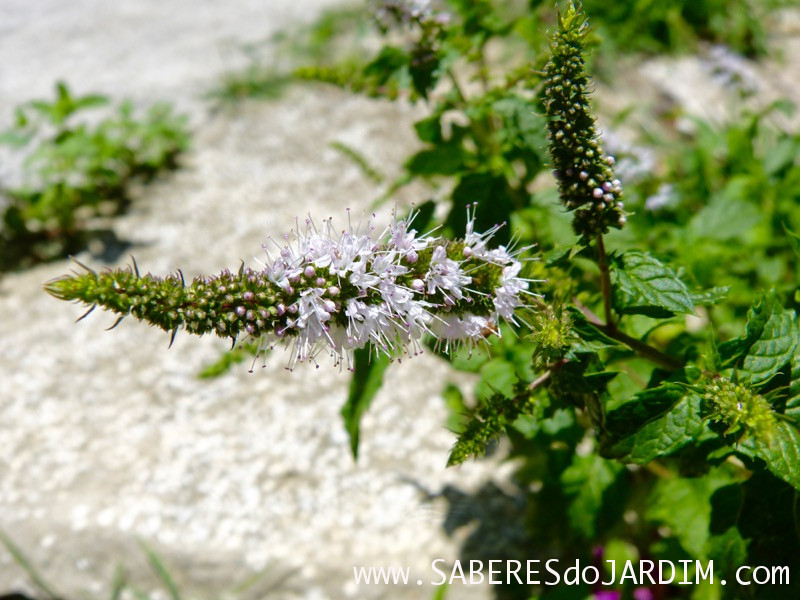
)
(23, 252)
(495, 519)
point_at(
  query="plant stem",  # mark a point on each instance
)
(605, 281)
(644, 350)
(457, 86)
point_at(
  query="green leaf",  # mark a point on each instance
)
(727, 217)
(161, 571)
(773, 349)
(15, 139)
(591, 338)
(445, 159)
(424, 69)
(793, 403)
(684, 505)
(367, 379)
(227, 360)
(26, 565)
(729, 550)
(768, 343)
(497, 376)
(643, 285)
(587, 479)
(495, 204)
(429, 129)
(710, 296)
(387, 63)
(780, 451)
(794, 240)
(678, 426)
(454, 400)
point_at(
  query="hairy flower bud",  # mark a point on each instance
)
(741, 409)
(383, 297)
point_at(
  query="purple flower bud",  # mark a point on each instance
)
(250, 328)
(412, 256)
(583, 175)
(249, 296)
(309, 271)
(320, 281)
(467, 252)
(606, 186)
(281, 309)
(597, 193)
(241, 310)
(329, 305)
(333, 291)
(292, 309)
(418, 285)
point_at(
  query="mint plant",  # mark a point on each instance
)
(654, 408)
(77, 169)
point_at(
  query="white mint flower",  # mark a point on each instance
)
(445, 276)
(333, 292)
(342, 291)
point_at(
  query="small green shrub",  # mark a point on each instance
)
(77, 167)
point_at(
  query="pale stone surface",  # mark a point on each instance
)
(109, 437)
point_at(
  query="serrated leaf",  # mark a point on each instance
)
(757, 317)
(591, 338)
(367, 378)
(664, 435)
(648, 405)
(793, 404)
(780, 452)
(768, 343)
(773, 349)
(643, 285)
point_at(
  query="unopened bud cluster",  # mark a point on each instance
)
(585, 176)
(327, 290)
(741, 409)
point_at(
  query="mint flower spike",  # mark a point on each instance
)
(331, 292)
(585, 176)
